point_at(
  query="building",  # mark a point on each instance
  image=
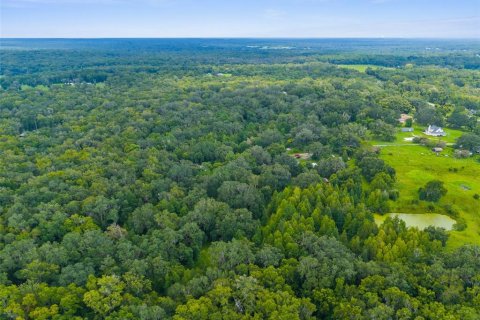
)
(435, 131)
(404, 117)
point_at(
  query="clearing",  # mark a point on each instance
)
(416, 165)
(361, 67)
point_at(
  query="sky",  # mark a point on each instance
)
(242, 18)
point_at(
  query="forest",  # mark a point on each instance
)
(238, 179)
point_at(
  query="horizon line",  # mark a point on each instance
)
(236, 37)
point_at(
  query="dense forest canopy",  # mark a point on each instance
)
(232, 179)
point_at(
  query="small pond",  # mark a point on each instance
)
(420, 220)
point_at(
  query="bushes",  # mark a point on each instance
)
(462, 154)
(451, 210)
(429, 143)
(432, 191)
(460, 225)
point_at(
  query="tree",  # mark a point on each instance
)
(142, 218)
(206, 213)
(39, 271)
(432, 191)
(305, 179)
(469, 141)
(437, 234)
(329, 166)
(104, 211)
(372, 166)
(382, 130)
(429, 116)
(408, 122)
(241, 195)
(458, 119)
(277, 177)
(319, 151)
(236, 224)
(105, 294)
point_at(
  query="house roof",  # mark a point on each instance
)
(433, 128)
(404, 117)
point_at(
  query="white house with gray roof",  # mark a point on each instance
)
(435, 131)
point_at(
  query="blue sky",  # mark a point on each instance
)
(245, 18)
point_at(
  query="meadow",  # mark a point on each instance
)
(415, 165)
(450, 138)
(361, 67)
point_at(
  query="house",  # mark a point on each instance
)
(435, 131)
(407, 129)
(404, 117)
(303, 156)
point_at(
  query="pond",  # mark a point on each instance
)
(420, 220)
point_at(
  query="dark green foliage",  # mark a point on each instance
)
(372, 166)
(383, 131)
(241, 195)
(138, 182)
(329, 166)
(408, 123)
(432, 191)
(437, 234)
(429, 116)
(459, 119)
(469, 141)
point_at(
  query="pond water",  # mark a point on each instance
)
(420, 220)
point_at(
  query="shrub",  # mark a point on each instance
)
(462, 154)
(432, 191)
(450, 210)
(460, 225)
(437, 234)
(420, 140)
(393, 194)
(441, 144)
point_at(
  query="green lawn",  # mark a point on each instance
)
(416, 165)
(39, 87)
(451, 137)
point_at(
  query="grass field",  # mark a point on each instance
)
(361, 67)
(416, 165)
(451, 137)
